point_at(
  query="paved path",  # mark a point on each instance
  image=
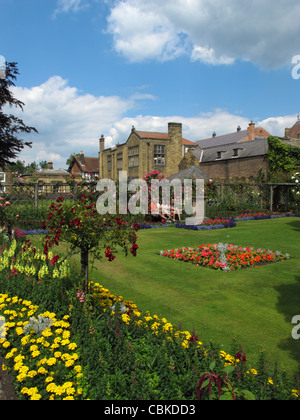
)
(7, 392)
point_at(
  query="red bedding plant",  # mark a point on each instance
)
(225, 257)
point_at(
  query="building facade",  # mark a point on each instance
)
(144, 152)
(83, 167)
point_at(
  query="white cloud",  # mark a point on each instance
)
(197, 127)
(64, 6)
(67, 120)
(212, 31)
(276, 125)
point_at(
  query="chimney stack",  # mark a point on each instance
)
(81, 158)
(102, 143)
(251, 131)
(50, 165)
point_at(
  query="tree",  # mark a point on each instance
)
(79, 224)
(11, 126)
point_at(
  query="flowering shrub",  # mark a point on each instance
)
(86, 230)
(226, 257)
(45, 364)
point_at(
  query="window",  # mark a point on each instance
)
(219, 155)
(235, 152)
(133, 156)
(120, 161)
(109, 163)
(159, 155)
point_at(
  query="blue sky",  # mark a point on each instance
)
(92, 67)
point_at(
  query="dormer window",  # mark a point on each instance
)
(236, 152)
(220, 154)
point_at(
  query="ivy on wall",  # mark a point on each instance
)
(282, 157)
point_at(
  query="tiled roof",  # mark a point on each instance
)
(222, 140)
(90, 164)
(258, 147)
(294, 132)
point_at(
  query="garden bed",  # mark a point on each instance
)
(225, 257)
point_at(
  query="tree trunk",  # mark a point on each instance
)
(85, 269)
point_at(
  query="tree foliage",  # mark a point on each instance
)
(11, 126)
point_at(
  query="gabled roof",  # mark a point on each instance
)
(87, 164)
(294, 132)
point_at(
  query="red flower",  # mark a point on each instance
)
(109, 254)
(241, 357)
(54, 260)
(133, 249)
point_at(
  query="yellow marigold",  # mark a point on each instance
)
(69, 363)
(42, 371)
(47, 333)
(72, 346)
(6, 344)
(36, 397)
(19, 331)
(51, 388)
(31, 374)
(51, 361)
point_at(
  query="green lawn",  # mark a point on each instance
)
(255, 305)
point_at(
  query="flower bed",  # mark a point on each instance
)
(225, 257)
(39, 352)
(209, 225)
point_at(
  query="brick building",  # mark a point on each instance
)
(292, 135)
(144, 152)
(83, 167)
